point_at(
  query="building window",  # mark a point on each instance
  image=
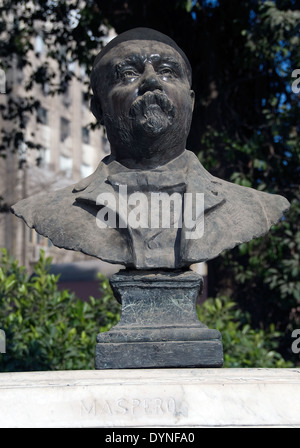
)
(42, 115)
(82, 71)
(66, 97)
(43, 157)
(45, 88)
(66, 165)
(85, 136)
(39, 45)
(85, 97)
(64, 129)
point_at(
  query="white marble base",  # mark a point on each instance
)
(151, 398)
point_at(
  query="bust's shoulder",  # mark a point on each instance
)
(245, 203)
(58, 201)
(269, 206)
(43, 204)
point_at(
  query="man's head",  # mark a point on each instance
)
(142, 93)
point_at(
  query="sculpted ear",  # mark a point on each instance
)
(96, 109)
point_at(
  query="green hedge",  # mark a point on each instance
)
(244, 346)
(49, 329)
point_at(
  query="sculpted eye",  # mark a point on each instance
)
(129, 73)
(166, 72)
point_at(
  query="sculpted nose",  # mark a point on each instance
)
(149, 81)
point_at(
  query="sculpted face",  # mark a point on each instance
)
(144, 99)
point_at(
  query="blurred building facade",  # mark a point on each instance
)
(68, 151)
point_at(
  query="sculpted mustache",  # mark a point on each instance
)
(150, 98)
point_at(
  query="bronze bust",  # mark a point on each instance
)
(141, 83)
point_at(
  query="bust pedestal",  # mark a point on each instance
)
(159, 326)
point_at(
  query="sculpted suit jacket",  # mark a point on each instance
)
(232, 215)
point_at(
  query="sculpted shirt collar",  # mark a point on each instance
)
(183, 174)
(111, 173)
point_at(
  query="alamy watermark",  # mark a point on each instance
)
(296, 343)
(296, 83)
(2, 81)
(2, 341)
(155, 210)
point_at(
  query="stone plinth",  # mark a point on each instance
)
(151, 398)
(159, 326)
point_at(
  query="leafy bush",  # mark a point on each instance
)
(49, 329)
(243, 346)
(263, 278)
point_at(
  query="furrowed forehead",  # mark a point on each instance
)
(139, 49)
(139, 60)
(137, 52)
